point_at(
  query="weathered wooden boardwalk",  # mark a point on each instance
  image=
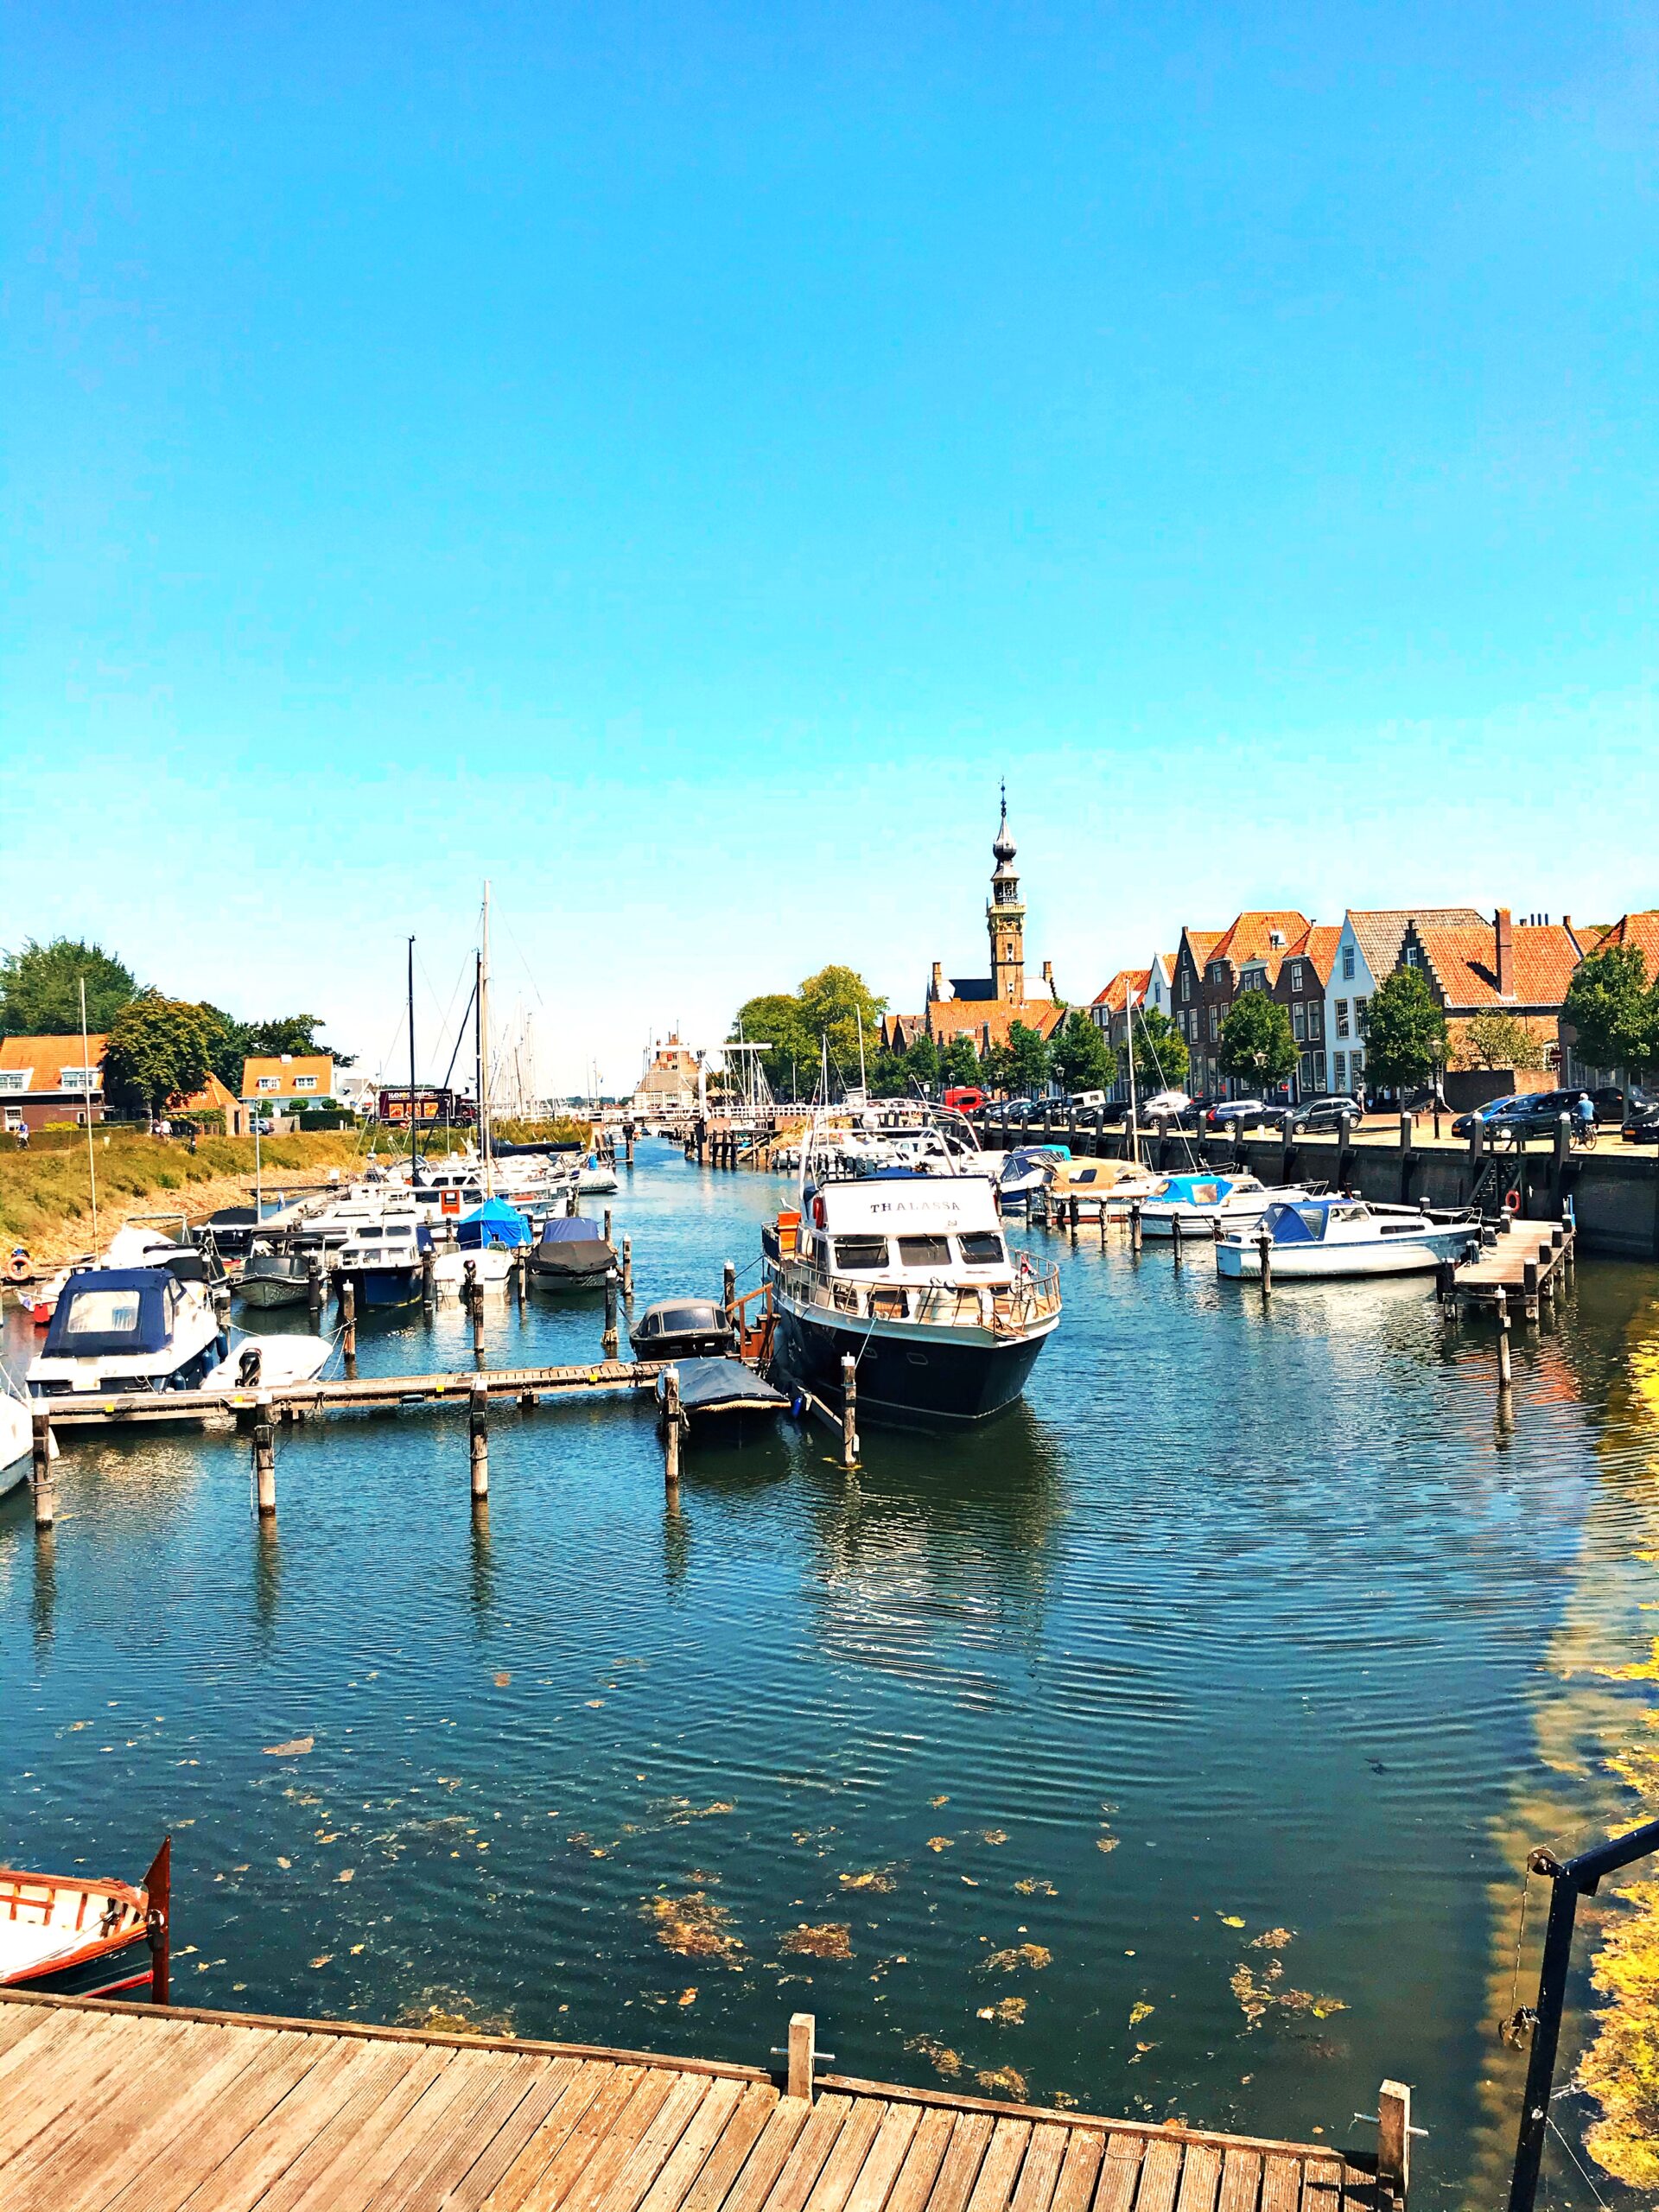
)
(1527, 1262)
(113, 2108)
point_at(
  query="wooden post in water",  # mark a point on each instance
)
(348, 1324)
(1072, 1217)
(313, 1288)
(265, 1457)
(571, 1205)
(429, 1281)
(473, 1300)
(610, 1339)
(477, 1427)
(627, 1268)
(1394, 2140)
(1134, 1227)
(728, 1292)
(521, 1275)
(1264, 1246)
(1529, 1286)
(671, 1431)
(1504, 1376)
(607, 1224)
(849, 1410)
(40, 1468)
(627, 1141)
(802, 2054)
(1175, 1236)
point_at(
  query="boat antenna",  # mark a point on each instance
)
(86, 1079)
(484, 1043)
(414, 1133)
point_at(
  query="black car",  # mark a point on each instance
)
(1635, 1104)
(1642, 1125)
(1249, 1113)
(1333, 1110)
(1527, 1114)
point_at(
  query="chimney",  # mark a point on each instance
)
(1505, 934)
(938, 979)
(1048, 976)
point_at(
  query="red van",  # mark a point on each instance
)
(966, 1097)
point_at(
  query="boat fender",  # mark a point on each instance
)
(1511, 1201)
(817, 1213)
(17, 1267)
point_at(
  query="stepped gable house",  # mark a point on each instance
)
(986, 1007)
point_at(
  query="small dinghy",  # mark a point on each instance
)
(721, 1394)
(268, 1363)
(681, 1328)
(64, 1937)
(570, 1253)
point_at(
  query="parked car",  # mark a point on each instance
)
(1527, 1112)
(1492, 1110)
(1087, 1098)
(1613, 1104)
(1163, 1110)
(1251, 1112)
(1332, 1110)
(1642, 1124)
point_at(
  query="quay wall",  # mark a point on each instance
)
(1614, 1189)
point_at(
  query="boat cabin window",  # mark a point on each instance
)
(369, 1235)
(854, 1252)
(923, 1251)
(982, 1248)
(1312, 1218)
(1204, 1194)
(102, 1314)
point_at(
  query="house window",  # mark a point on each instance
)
(1347, 964)
(1295, 975)
(1298, 1021)
(15, 1079)
(1319, 1070)
(1359, 1016)
(1357, 1069)
(305, 1083)
(1342, 1017)
(1339, 1065)
(1315, 1019)
(1215, 1023)
(1187, 985)
(1414, 956)
(79, 1079)
(268, 1083)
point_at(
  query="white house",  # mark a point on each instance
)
(1368, 948)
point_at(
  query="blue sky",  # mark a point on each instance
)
(674, 460)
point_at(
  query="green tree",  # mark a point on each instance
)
(1256, 1046)
(833, 1002)
(1081, 1057)
(889, 1078)
(1405, 1031)
(40, 993)
(1613, 1012)
(1029, 1059)
(922, 1063)
(960, 1064)
(1160, 1055)
(996, 1067)
(1496, 1039)
(775, 1019)
(158, 1047)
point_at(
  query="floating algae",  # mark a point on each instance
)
(1007, 2012)
(831, 1939)
(1018, 1955)
(1273, 1939)
(939, 2055)
(1005, 2081)
(1033, 1888)
(695, 1927)
(1258, 1996)
(446, 2012)
(878, 1878)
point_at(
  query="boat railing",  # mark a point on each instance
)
(1033, 1295)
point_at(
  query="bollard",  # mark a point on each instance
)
(40, 1469)
(611, 1338)
(1175, 1236)
(348, 1325)
(627, 1266)
(671, 1431)
(1134, 1227)
(521, 1275)
(429, 1281)
(313, 1288)
(1264, 1246)
(849, 1410)
(728, 1292)
(803, 2053)
(265, 1457)
(479, 1431)
(607, 1224)
(1406, 1124)
(1504, 1376)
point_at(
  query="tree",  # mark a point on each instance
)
(234, 1041)
(1161, 1056)
(1497, 1039)
(1405, 1031)
(1082, 1059)
(40, 993)
(1256, 1046)
(922, 1063)
(775, 1020)
(158, 1047)
(1029, 1059)
(959, 1064)
(996, 1067)
(889, 1078)
(1614, 1014)
(833, 1003)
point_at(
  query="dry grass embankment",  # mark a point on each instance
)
(45, 1204)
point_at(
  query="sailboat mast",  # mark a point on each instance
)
(86, 1093)
(1128, 1031)
(484, 1044)
(414, 1132)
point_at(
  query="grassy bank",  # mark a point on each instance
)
(45, 1203)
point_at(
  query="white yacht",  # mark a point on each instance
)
(1321, 1239)
(128, 1328)
(1199, 1201)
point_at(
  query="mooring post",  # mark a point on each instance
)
(478, 1433)
(265, 1457)
(473, 1298)
(1072, 1217)
(627, 1142)
(521, 1275)
(627, 1266)
(1134, 1227)
(1393, 2139)
(39, 1468)
(671, 1431)
(611, 1338)
(849, 1410)
(728, 1292)
(1264, 1246)
(313, 1288)
(607, 1224)
(429, 1281)
(1529, 1285)
(803, 2054)
(348, 1325)
(1175, 1236)
(1504, 1377)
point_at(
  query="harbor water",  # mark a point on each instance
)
(1169, 1747)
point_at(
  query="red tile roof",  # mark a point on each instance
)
(1639, 929)
(1319, 946)
(47, 1057)
(951, 1017)
(1464, 963)
(1116, 994)
(1253, 931)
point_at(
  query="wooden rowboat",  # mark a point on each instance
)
(69, 1938)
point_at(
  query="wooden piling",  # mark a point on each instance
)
(1135, 1226)
(1505, 1378)
(477, 1427)
(671, 1431)
(849, 1410)
(265, 1457)
(1264, 1246)
(610, 1339)
(802, 2054)
(348, 1325)
(627, 1142)
(473, 1300)
(1175, 1236)
(429, 1281)
(1529, 1273)
(313, 1288)
(1394, 2140)
(607, 1224)
(521, 1275)
(627, 1266)
(1071, 1216)
(40, 1468)
(728, 1292)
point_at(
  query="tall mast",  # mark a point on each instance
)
(86, 1093)
(1128, 1031)
(484, 1044)
(414, 1132)
(862, 1078)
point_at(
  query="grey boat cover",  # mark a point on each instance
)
(571, 1246)
(724, 1386)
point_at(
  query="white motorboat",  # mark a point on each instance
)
(268, 1363)
(1319, 1239)
(15, 1440)
(128, 1328)
(1199, 1201)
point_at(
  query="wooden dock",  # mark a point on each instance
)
(107, 2107)
(1528, 1262)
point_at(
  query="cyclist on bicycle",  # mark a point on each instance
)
(1585, 1111)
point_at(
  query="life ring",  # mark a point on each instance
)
(1511, 1201)
(17, 1267)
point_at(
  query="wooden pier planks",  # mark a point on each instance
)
(110, 2108)
(1502, 1268)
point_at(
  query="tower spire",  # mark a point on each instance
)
(1004, 915)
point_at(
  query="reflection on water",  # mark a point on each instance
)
(1169, 1747)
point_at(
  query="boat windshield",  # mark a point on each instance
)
(855, 1252)
(102, 1314)
(982, 1248)
(923, 1251)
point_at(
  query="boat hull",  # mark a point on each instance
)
(126, 1971)
(1351, 1263)
(376, 1289)
(269, 1291)
(909, 1380)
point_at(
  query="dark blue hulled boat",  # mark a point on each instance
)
(60, 1937)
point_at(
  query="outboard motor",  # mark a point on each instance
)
(248, 1366)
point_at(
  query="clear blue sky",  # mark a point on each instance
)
(673, 459)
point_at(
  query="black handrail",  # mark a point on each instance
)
(1574, 1879)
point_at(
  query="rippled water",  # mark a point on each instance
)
(1249, 1621)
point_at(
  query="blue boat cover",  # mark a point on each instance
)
(493, 1223)
(112, 1309)
(1178, 1189)
(571, 1229)
(1287, 1224)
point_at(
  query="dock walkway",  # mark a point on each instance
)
(1525, 1263)
(107, 2107)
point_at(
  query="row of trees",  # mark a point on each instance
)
(159, 1048)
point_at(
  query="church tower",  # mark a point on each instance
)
(1004, 918)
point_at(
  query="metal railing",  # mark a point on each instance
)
(1005, 1307)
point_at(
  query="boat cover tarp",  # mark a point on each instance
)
(112, 1309)
(545, 1144)
(493, 1223)
(1288, 1225)
(1199, 1190)
(570, 1229)
(724, 1386)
